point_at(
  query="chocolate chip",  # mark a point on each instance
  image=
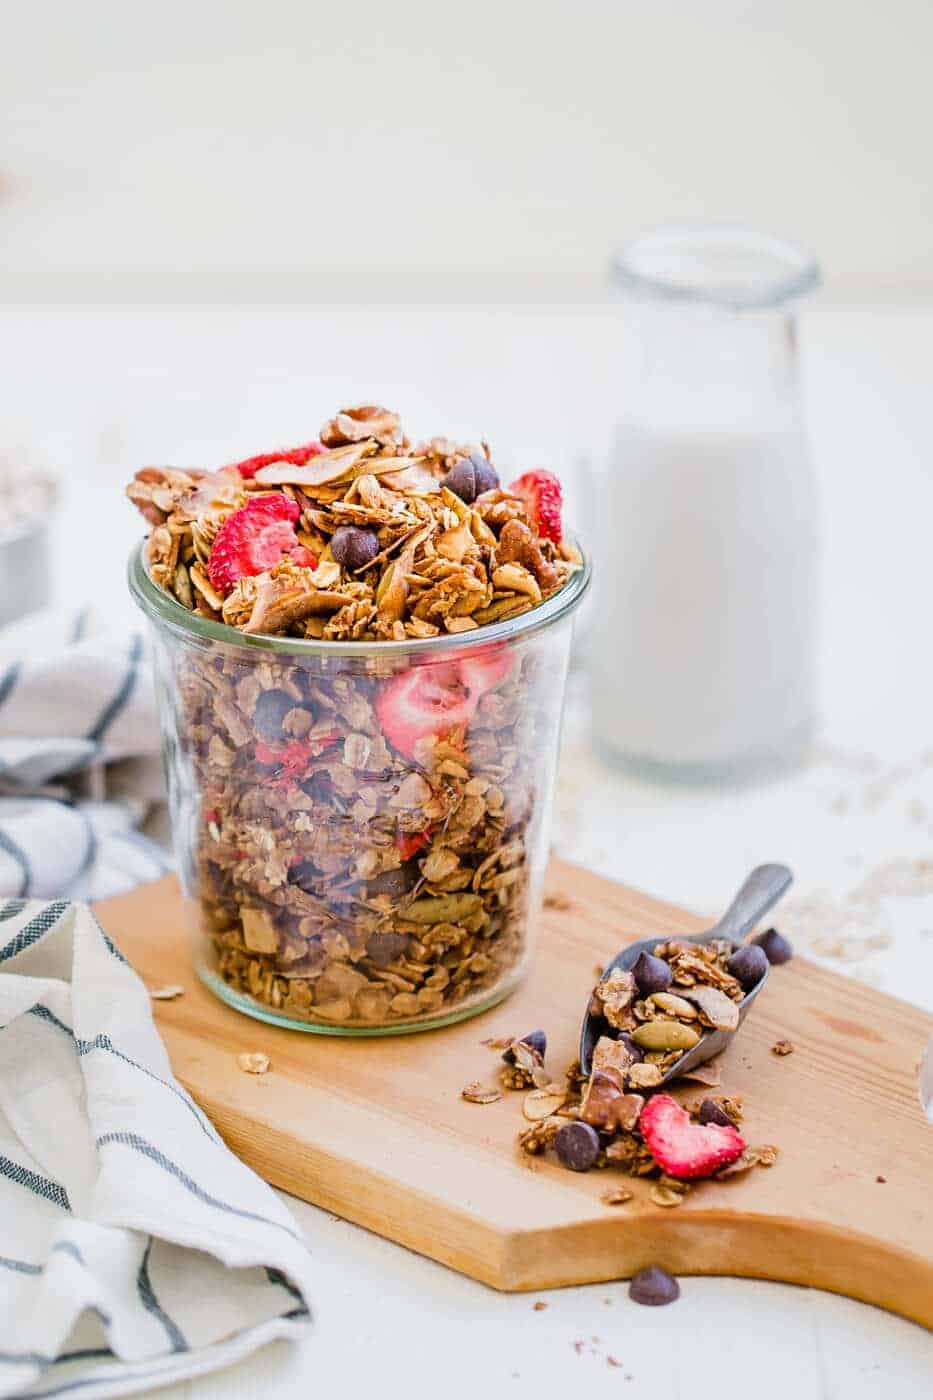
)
(353, 547)
(710, 1112)
(748, 964)
(271, 708)
(470, 477)
(394, 882)
(536, 1039)
(306, 876)
(652, 974)
(487, 478)
(776, 947)
(384, 948)
(577, 1146)
(654, 1288)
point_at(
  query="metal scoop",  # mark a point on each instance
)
(763, 888)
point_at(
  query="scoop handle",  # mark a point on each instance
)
(760, 891)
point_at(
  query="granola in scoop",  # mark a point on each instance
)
(357, 536)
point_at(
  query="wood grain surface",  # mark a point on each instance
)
(376, 1131)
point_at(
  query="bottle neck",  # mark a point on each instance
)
(706, 365)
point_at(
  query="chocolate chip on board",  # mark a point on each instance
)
(710, 1112)
(577, 1146)
(777, 949)
(654, 1288)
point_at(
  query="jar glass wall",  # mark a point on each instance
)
(342, 874)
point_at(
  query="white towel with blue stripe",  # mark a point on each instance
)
(135, 1249)
(79, 768)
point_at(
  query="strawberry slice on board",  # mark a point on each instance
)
(423, 700)
(255, 538)
(682, 1148)
(298, 456)
(540, 493)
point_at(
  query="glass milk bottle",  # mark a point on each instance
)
(704, 640)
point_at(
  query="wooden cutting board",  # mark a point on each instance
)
(376, 1130)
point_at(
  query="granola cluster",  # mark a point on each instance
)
(359, 536)
(362, 836)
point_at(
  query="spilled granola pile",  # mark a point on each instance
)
(362, 836)
(619, 1114)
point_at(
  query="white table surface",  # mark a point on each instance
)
(99, 393)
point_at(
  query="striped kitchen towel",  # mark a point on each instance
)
(135, 1249)
(79, 768)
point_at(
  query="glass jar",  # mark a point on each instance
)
(339, 876)
(708, 550)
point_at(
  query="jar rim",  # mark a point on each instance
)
(160, 607)
(725, 265)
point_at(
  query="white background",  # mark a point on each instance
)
(427, 150)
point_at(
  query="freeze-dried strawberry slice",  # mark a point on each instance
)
(423, 700)
(409, 843)
(296, 455)
(254, 538)
(540, 493)
(683, 1148)
(486, 669)
(289, 763)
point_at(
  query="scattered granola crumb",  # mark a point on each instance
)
(881, 1180)
(166, 993)
(475, 1092)
(782, 1047)
(539, 1306)
(498, 1042)
(253, 1062)
(611, 1361)
(616, 1197)
(666, 1196)
(558, 901)
(578, 1346)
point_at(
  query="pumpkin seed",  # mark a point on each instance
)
(443, 909)
(665, 1035)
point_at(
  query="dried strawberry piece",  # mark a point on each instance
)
(540, 493)
(683, 1148)
(483, 671)
(436, 699)
(292, 759)
(409, 843)
(255, 538)
(298, 456)
(421, 701)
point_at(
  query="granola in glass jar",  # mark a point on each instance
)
(361, 715)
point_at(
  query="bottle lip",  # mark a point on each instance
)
(162, 609)
(724, 265)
